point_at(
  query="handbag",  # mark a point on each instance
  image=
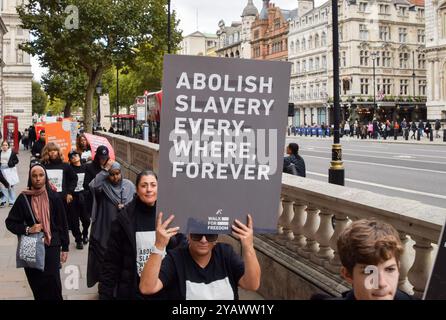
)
(31, 248)
(11, 175)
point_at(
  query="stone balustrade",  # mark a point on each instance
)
(312, 214)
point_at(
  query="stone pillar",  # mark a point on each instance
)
(422, 266)
(279, 225)
(323, 236)
(297, 225)
(430, 82)
(310, 229)
(437, 80)
(286, 218)
(403, 283)
(341, 222)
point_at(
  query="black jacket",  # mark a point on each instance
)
(119, 278)
(13, 160)
(294, 165)
(19, 218)
(91, 170)
(69, 181)
(37, 148)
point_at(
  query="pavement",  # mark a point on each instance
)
(13, 283)
(411, 170)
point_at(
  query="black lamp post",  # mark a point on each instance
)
(117, 88)
(336, 171)
(99, 91)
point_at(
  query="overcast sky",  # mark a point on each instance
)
(207, 13)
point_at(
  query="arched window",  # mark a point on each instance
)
(232, 54)
(304, 46)
(310, 42)
(324, 39)
(237, 54)
(297, 45)
(292, 47)
(316, 41)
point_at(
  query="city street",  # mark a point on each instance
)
(412, 171)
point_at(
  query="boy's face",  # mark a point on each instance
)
(370, 286)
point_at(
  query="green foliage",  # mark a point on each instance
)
(109, 33)
(39, 98)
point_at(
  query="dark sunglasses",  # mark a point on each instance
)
(198, 237)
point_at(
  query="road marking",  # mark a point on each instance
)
(403, 155)
(383, 165)
(367, 156)
(432, 195)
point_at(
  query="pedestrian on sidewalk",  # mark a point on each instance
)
(77, 210)
(8, 159)
(437, 128)
(203, 270)
(25, 139)
(83, 148)
(111, 194)
(32, 136)
(421, 128)
(49, 213)
(428, 129)
(60, 174)
(131, 241)
(347, 128)
(413, 127)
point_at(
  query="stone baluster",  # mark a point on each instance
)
(310, 229)
(323, 236)
(341, 222)
(297, 225)
(403, 283)
(279, 223)
(422, 266)
(286, 218)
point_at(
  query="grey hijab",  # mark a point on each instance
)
(123, 192)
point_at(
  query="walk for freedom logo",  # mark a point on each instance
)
(218, 223)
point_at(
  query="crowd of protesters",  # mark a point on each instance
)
(134, 254)
(376, 129)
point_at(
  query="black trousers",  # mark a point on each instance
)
(47, 285)
(77, 211)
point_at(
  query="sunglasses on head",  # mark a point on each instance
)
(198, 237)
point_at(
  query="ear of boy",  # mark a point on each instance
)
(347, 275)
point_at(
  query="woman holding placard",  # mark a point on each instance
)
(8, 161)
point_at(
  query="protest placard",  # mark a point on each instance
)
(222, 142)
(96, 141)
(436, 286)
(59, 133)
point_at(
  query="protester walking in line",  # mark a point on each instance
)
(50, 217)
(294, 164)
(38, 146)
(8, 160)
(111, 194)
(60, 174)
(77, 210)
(83, 148)
(131, 241)
(205, 269)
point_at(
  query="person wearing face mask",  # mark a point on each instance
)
(49, 213)
(111, 194)
(131, 240)
(8, 159)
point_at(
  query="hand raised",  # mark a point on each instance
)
(163, 232)
(244, 232)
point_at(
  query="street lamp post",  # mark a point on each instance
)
(336, 171)
(99, 91)
(117, 89)
(373, 54)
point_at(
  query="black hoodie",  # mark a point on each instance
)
(69, 177)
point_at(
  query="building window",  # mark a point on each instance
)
(378, 59)
(362, 7)
(421, 36)
(298, 67)
(404, 85)
(364, 86)
(310, 42)
(317, 42)
(304, 65)
(422, 87)
(324, 39)
(304, 92)
(292, 47)
(364, 58)
(343, 59)
(383, 8)
(384, 33)
(402, 11)
(363, 32)
(276, 23)
(297, 45)
(386, 56)
(256, 34)
(311, 92)
(402, 34)
(386, 86)
(404, 58)
(310, 65)
(324, 62)
(421, 61)
(316, 64)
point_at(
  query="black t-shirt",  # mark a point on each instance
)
(184, 279)
(80, 172)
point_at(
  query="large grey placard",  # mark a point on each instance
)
(222, 142)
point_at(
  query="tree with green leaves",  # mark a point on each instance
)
(39, 98)
(103, 34)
